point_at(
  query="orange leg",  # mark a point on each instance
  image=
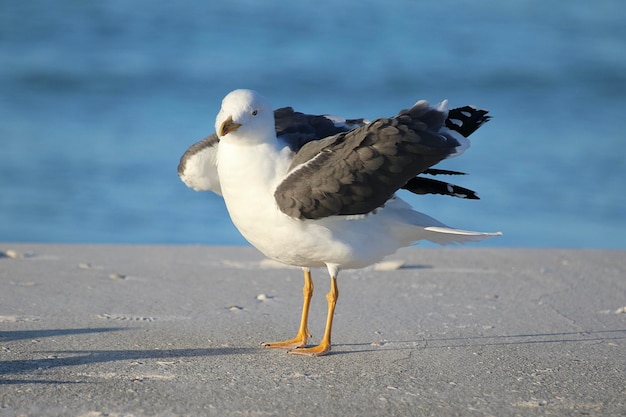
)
(303, 333)
(324, 346)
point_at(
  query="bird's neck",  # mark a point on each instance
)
(249, 172)
(246, 161)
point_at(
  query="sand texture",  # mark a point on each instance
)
(107, 330)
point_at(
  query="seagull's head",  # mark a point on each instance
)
(246, 116)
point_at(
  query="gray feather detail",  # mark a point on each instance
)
(296, 129)
(208, 142)
(358, 171)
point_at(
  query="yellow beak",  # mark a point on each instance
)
(228, 126)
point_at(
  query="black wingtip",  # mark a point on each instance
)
(435, 171)
(466, 120)
(421, 185)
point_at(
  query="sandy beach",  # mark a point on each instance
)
(110, 330)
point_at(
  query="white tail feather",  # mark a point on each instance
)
(447, 236)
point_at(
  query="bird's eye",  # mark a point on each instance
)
(255, 112)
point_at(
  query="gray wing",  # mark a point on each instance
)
(198, 168)
(296, 129)
(358, 171)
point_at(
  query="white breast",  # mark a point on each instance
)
(249, 176)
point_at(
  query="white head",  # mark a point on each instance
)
(246, 117)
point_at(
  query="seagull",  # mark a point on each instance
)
(318, 191)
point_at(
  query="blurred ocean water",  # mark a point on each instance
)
(98, 100)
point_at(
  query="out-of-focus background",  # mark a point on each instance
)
(99, 99)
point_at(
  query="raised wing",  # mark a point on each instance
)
(198, 168)
(358, 171)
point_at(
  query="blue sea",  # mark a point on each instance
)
(99, 99)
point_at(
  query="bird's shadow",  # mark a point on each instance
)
(486, 341)
(58, 359)
(9, 336)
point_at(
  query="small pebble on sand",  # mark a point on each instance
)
(13, 254)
